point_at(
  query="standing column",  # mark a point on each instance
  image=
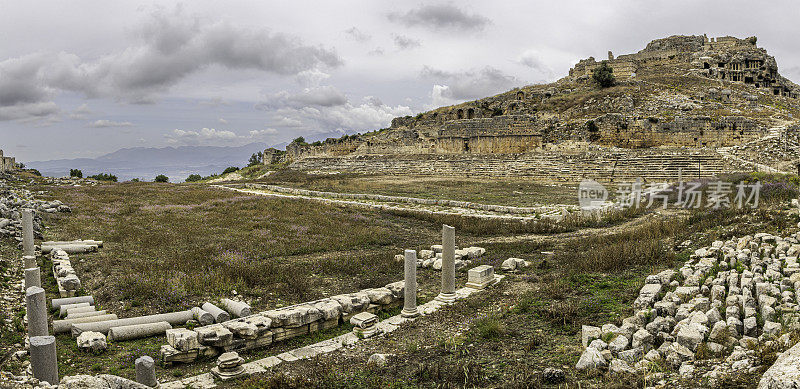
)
(43, 359)
(146, 371)
(29, 261)
(27, 232)
(33, 277)
(410, 289)
(36, 307)
(448, 294)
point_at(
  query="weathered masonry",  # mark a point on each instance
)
(6, 163)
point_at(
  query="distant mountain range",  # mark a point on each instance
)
(145, 163)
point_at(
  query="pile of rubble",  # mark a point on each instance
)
(726, 302)
(13, 201)
(261, 329)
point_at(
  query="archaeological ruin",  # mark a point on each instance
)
(566, 131)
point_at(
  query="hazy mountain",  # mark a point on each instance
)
(146, 163)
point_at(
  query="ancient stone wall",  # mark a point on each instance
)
(650, 164)
(698, 131)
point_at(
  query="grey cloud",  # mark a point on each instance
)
(533, 60)
(172, 47)
(440, 16)
(470, 84)
(318, 96)
(29, 111)
(404, 42)
(358, 35)
(20, 81)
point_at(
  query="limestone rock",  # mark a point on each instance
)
(591, 359)
(620, 367)
(92, 341)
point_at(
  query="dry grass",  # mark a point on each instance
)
(502, 191)
(170, 245)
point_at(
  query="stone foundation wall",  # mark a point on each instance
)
(650, 164)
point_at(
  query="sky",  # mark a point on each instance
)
(79, 79)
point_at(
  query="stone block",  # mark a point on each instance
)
(214, 335)
(182, 339)
(480, 277)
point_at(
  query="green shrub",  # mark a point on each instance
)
(193, 178)
(75, 173)
(104, 177)
(162, 178)
(603, 75)
(230, 169)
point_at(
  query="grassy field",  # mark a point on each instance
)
(170, 246)
(173, 245)
(503, 191)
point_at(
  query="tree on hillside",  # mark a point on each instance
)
(256, 159)
(77, 173)
(162, 178)
(603, 75)
(193, 178)
(300, 140)
(104, 177)
(230, 170)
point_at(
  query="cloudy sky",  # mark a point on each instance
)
(84, 78)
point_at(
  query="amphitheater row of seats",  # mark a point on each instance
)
(546, 167)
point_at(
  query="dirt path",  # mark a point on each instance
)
(589, 231)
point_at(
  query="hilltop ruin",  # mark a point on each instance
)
(7, 163)
(678, 106)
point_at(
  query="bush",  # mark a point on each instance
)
(603, 75)
(256, 159)
(75, 173)
(162, 178)
(135, 180)
(193, 178)
(104, 177)
(300, 140)
(230, 170)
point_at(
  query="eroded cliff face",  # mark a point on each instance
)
(679, 92)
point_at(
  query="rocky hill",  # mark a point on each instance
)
(673, 105)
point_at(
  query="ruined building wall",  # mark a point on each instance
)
(7, 163)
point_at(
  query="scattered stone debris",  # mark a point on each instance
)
(729, 301)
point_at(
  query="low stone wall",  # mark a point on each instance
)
(261, 329)
(650, 164)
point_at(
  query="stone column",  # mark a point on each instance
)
(37, 311)
(410, 288)
(146, 371)
(33, 277)
(29, 261)
(448, 294)
(43, 359)
(27, 232)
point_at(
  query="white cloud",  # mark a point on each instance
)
(103, 123)
(264, 132)
(222, 121)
